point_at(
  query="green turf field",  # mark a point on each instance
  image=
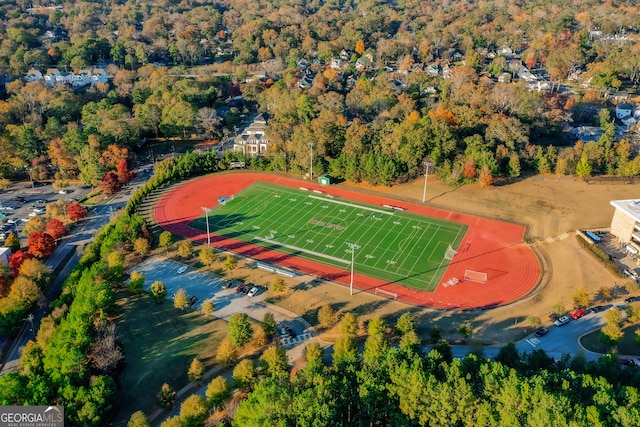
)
(391, 245)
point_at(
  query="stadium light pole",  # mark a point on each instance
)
(353, 248)
(427, 165)
(311, 144)
(206, 216)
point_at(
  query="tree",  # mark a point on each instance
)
(110, 183)
(313, 353)
(196, 370)
(327, 316)
(274, 362)
(12, 242)
(123, 172)
(245, 375)
(138, 419)
(269, 324)
(259, 338)
(141, 246)
(227, 353)
(136, 282)
(181, 299)
(193, 411)
(349, 325)
(486, 178)
(230, 263)
(185, 249)
(76, 211)
(35, 270)
(208, 307)
(583, 168)
(470, 171)
(218, 392)
(158, 290)
(581, 297)
(115, 259)
(35, 223)
(612, 330)
(406, 323)
(207, 255)
(16, 259)
(465, 330)
(41, 244)
(166, 396)
(56, 229)
(165, 240)
(277, 286)
(240, 330)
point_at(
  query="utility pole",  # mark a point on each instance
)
(206, 216)
(427, 165)
(311, 144)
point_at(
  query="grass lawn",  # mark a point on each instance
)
(160, 342)
(391, 245)
(627, 344)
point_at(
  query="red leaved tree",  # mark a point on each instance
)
(16, 260)
(41, 244)
(110, 183)
(124, 174)
(470, 170)
(56, 229)
(76, 211)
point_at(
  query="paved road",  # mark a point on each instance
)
(61, 260)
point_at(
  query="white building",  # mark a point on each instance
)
(252, 140)
(625, 224)
(5, 253)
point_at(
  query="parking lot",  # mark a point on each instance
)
(22, 201)
(227, 300)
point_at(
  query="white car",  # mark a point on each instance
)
(562, 321)
(182, 269)
(253, 291)
(63, 192)
(38, 210)
(34, 213)
(11, 221)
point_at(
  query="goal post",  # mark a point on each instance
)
(475, 276)
(450, 253)
(386, 293)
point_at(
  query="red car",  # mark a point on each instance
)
(578, 314)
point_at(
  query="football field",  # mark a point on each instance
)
(385, 243)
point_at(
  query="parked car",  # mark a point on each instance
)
(578, 313)
(597, 308)
(632, 299)
(182, 269)
(253, 292)
(541, 332)
(63, 192)
(561, 321)
(290, 331)
(246, 288)
(240, 287)
(193, 300)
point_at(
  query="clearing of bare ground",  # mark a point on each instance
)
(551, 208)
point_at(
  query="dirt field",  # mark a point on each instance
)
(551, 208)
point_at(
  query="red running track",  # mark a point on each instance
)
(489, 246)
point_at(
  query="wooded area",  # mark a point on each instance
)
(378, 93)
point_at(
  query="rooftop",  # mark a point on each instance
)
(631, 207)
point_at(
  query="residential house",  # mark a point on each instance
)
(98, 75)
(51, 76)
(252, 140)
(624, 110)
(81, 78)
(33, 75)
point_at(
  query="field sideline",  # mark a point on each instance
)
(493, 247)
(390, 244)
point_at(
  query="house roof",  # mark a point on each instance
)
(631, 207)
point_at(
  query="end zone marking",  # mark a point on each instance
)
(306, 251)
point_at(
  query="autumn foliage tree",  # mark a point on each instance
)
(41, 244)
(76, 211)
(110, 183)
(16, 260)
(124, 174)
(56, 229)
